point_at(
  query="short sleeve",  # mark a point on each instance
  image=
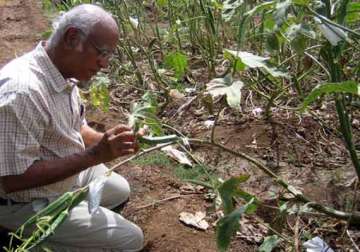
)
(22, 126)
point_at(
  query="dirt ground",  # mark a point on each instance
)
(21, 25)
(298, 150)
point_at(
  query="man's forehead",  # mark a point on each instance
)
(105, 30)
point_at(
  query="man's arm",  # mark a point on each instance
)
(90, 136)
(115, 142)
(47, 172)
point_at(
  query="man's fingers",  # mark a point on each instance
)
(141, 132)
(118, 129)
(127, 136)
(126, 145)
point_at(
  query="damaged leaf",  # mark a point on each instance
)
(254, 61)
(195, 220)
(221, 87)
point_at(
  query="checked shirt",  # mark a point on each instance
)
(40, 119)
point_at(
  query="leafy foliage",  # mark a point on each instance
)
(44, 223)
(178, 62)
(228, 225)
(353, 12)
(99, 92)
(229, 189)
(270, 242)
(350, 87)
(229, 8)
(250, 60)
(297, 34)
(144, 113)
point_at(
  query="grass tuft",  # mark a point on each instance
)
(197, 172)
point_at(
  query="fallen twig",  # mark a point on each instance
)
(352, 241)
(154, 203)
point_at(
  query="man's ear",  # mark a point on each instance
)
(72, 39)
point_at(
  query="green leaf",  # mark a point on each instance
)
(251, 208)
(144, 113)
(229, 8)
(255, 61)
(99, 92)
(228, 225)
(161, 3)
(222, 86)
(269, 23)
(239, 66)
(353, 12)
(301, 2)
(247, 197)
(341, 11)
(260, 7)
(243, 26)
(228, 190)
(272, 42)
(297, 34)
(299, 29)
(299, 44)
(270, 242)
(178, 62)
(350, 86)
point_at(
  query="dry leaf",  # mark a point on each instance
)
(196, 220)
(177, 155)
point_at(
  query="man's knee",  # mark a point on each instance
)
(121, 193)
(116, 191)
(132, 241)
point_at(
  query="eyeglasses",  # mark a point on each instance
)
(102, 52)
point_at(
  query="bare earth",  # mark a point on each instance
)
(21, 24)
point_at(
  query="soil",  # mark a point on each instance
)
(311, 157)
(21, 25)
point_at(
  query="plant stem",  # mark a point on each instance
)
(354, 217)
(346, 130)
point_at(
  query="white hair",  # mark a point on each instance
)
(83, 17)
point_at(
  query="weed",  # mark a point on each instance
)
(154, 159)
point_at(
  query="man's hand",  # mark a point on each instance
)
(116, 142)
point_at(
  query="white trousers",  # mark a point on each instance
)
(104, 230)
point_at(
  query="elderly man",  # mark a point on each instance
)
(46, 146)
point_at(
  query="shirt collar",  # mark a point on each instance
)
(50, 71)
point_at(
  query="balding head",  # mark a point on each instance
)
(85, 17)
(83, 41)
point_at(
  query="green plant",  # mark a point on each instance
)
(45, 221)
(99, 92)
(154, 159)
